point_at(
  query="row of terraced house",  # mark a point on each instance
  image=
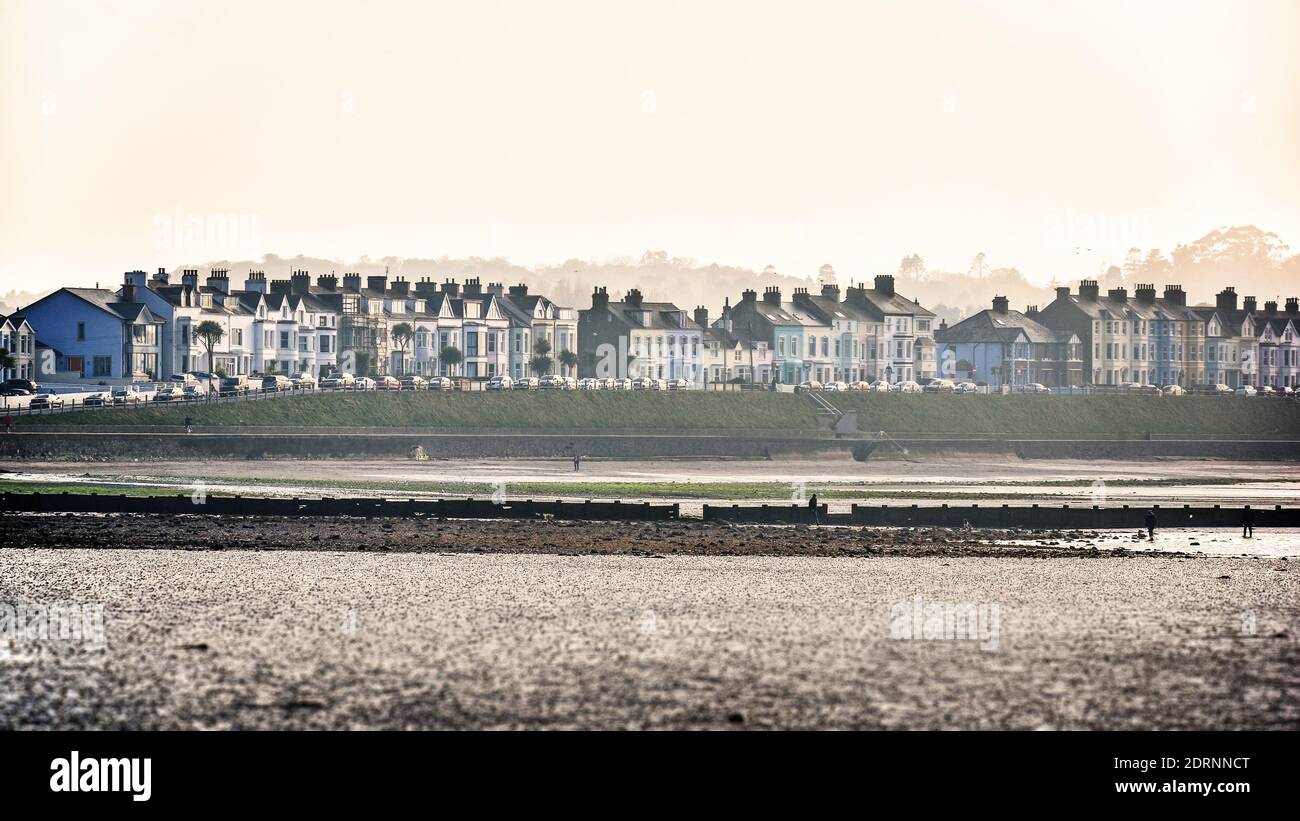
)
(147, 328)
(1145, 337)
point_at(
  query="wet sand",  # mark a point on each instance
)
(214, 623)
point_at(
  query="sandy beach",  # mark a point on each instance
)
(215, 623)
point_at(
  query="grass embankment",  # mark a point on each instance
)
(756, 411)
(1071, 414)
(571, 411)
(731, 491)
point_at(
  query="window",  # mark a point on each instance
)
(284, 339)
(103, 366)
(81, 333)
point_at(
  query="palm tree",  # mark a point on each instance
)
(541, 363)
(568, 359)
(451, 357)
(402, 334)
(209, 333)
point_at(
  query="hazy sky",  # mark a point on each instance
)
(139, 134)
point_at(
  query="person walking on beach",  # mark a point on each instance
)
(812, 506)
(577, 463)
(189, 424)
(1151, 525)
(1248, 523)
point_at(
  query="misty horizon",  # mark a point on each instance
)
(1052, 138)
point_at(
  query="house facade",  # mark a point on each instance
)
(18, 338)
(99, 334)
(635, 338)
(1007, 348)
(534, 318)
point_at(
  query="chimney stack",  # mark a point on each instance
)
(1145, 292)
(161, 277)
(599, 297)
(190, 277)
(1270, 307)
(473, 287)
(1088, 289)
(301, 282)
(378, 282)
(281, 286)
(451, 287)
(701, 316)
(401, 287)
(772, 295)
(219, 280)
(831, 291)
(1292, 305)
(1175, 294)
(748, 295)
(352, 282)
(1118, 294)
(256, 282)
(1248, 305)
(633, 297)
(426, 288)
(327, 282)
(1000, 304)
(885, 284)
(1226, 300)
(496, 288)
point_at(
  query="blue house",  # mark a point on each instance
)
(1006, 347)
(99, 334)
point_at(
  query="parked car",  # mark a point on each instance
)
(1173, 390)
(620, 384)
(1212, 390)
(303, 382)
(835, 387)
(500, 383)
(939, 386)
(551, 382)
(1265, 390)
(97, 400)
(1246, 390)
(966, 387)
(589, 384)
(906, 386)
(414, 382)
(679, 385)
(810, 385)
(363, 383)
(183, 379)
(127, 395)
(193, 393)
(23, 387)
(168, 393)
(387, 383)
(276, 382)
(1032, 387)
(880, 386)
(338, 381)
(233, 385)
(45, 401)
(441, 383)
(643, 383)
(526, 383)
